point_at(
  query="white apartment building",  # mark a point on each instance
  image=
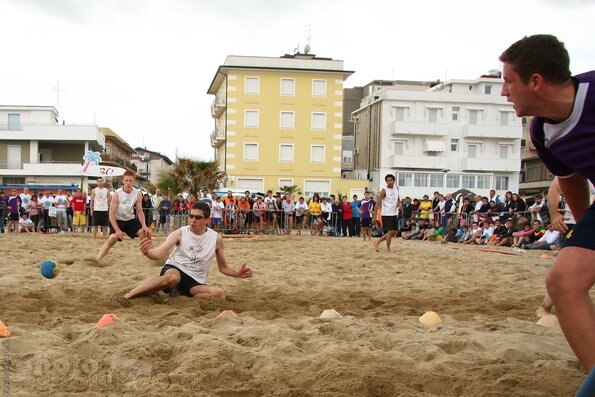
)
(456, 135)
(37, 152)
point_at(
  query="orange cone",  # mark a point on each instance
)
(228, 313)
(106, 319)
(3, 330)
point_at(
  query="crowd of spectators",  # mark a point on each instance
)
(494, 220)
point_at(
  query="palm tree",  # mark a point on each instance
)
(191, 176)
(291, 190)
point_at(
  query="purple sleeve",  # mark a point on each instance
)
(553, 164)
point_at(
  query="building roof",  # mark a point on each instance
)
(109, 133)
(296, 62)
(163, 156)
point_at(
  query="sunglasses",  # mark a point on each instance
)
(198, 217)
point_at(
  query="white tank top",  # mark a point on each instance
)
(194, 254)
(389, 203)
(125, 210)
(100, 201)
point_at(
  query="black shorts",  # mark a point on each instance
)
(186, 282)
(100, 218)
(299, 219)
(389, 223)
(130, 228)
(582, 233)
(13, 216)
(366, 222)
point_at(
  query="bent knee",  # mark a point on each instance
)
(169, 280)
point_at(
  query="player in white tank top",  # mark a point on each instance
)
(389, 201)
(188, 265)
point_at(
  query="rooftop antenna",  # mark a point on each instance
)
(57, 90)
(308, 38)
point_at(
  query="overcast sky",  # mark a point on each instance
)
(142, 67)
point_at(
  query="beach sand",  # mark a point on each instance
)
(489, 344)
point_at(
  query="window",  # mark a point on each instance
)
(107, 149)
(319, 88)
(473, 116)
(533, 173)
(420, 180)
(323, 188)
(252, 86)
(317, 153)
(286, 153)
(254, 185)
(454, 145)
(287, 121)
(472, 150)
(483, 181)
(14, 122)
(488, 89)
(524, 121)
(251, 151)
(251, 118)
(504, 118)
(399, 114)
(285, 182)
(503, 152)
(433, 115)
(348, 156)
(13, 180)
(455, 113)
(399, 148)
(453, 181)
(436, 180)
(405, 179)
(501, 183)
(468, 182)
(287, 87)
(318, 121)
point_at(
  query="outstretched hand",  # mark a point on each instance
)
(146, 243)
(559, 223)
(244, 271)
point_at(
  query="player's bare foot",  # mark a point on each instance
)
(376, 243)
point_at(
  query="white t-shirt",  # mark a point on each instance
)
(100, 202)
(389, 203)
(194, 254)
(61, 202)
(127, 201)
(300, 208)
(25, 199)
(47, 202)
(217, 208)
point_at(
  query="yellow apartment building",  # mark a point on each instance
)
(278, 122)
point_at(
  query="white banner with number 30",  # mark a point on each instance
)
(103, 170)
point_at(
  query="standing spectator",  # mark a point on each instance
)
(425, 208)
(243, 212)
(217, 213)
(249, 216)
(347, 225)
(315, 211)
(164, 209)
(34, 212)
(13, 204)
(155, 202)
(259, 209)
(301, 209)
(338, 215)
(407, 211)
(148, 209)
(288, 208)
(61, 203)
(47, 202)
(100, 198)
(231, 206)
(466, 209)
(25, 200)
(356, 217)
(3, 210)
(205, 198)
(79, 219)
(326, 215)
(366, 210)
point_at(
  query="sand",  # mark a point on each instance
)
(488, 345)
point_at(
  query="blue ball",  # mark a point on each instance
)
(49, 268)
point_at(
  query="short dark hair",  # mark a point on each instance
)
(204, 207)
(390, 176)
(540, 53)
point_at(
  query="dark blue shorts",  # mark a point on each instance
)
(366, 222)
(130, 228)
(186, 282)
(582, 235)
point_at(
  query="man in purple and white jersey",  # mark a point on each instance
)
(537, 80)
(366, 211)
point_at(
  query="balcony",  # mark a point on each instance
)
(110, 158)
(56, 133)
(492, 131)
(491, 165)
(53, 168)
(218, 106)
(421, 162)
(217, 138)
(413, 128)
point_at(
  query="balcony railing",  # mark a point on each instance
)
(11, 127)
(217, 138)
(218, 105)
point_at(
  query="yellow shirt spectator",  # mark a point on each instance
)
(425, 207)
(314, 207)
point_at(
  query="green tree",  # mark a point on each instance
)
(191, 176)
(291, 190)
